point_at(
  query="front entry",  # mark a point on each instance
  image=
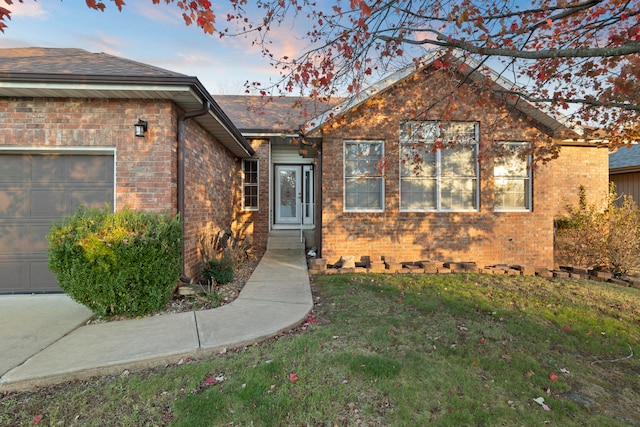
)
(294, 194)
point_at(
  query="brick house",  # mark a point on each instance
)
(344, 174)
(67, 137)
(346, 177)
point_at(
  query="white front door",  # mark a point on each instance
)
(288, 195)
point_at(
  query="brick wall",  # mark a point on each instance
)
(486, 237)
(256, 223)
(212, 191)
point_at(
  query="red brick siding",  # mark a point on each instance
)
(256, 223)
(486, 237)
(212, 191)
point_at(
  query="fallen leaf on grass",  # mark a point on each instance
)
(553, 376)
(293, 377)
(214, 380)
(540, 401)
(36, 419)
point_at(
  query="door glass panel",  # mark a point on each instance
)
(288, 194)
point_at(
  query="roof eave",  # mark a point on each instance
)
(187, 92)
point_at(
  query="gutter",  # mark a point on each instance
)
(181, 150)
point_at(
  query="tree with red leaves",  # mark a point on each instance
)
(580, 56)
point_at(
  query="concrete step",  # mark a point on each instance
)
(285, 239)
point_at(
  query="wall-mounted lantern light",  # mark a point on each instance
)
(141, 128)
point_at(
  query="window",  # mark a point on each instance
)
(250, 184)
(512, 178)
(438, 166)
(363, 179)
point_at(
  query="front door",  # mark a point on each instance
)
(288, 194)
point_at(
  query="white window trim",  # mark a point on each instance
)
(344, 175)
(438, 176)
(257, 185)
(529, 194)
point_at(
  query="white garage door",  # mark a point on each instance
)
(35, 190)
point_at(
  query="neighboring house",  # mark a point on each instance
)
(360, 177)
(67, 138)
(346, 178)
(624, 171)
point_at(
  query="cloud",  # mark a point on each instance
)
(29, 9)
(161, 13)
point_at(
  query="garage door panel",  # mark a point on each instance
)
(48, 169)
(41, 278)
(36, 238)
(12, 273)
(13, 168)
(88, 170)
(47, 203)
(12, 237)
(92, 199)
(13, 202)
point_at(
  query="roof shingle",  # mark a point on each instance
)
(38, 60)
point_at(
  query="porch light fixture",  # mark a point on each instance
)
(140, 128)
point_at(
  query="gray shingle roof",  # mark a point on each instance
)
(268, 115)
(38, 60)
(625, 157)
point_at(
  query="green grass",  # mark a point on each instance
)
(395, 350)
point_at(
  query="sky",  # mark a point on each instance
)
(147, 33)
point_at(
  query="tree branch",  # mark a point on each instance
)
(628, 48)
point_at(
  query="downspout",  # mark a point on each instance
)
(181, 150)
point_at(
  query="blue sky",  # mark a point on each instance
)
(144, 32)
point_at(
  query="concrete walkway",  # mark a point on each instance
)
(43, 340)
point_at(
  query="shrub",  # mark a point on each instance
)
(122, 263)
(218, 270)
(591, 236)
(222, 253)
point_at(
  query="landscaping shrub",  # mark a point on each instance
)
(122, 263)
(608, 236)
(222, 253)
(218, 270)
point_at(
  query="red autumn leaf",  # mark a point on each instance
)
(553, 376)
(365, 8)
(36, 419)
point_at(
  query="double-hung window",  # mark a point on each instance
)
(438, 166)
(512, 177)
(250, 184)
(363, 176)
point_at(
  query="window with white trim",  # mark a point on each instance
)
(363, 176)
(439, 166)
(250, 184)
(512, 177)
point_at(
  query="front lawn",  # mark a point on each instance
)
(394, 350)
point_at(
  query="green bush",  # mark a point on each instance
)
(122, 263)
(218, 270)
